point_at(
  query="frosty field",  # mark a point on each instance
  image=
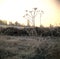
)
(29, 47)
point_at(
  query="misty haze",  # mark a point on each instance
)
(29, 29)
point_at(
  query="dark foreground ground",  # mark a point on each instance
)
(29, 47)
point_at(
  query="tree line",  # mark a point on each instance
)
(4, 22)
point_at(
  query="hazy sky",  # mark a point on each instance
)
(13, 10)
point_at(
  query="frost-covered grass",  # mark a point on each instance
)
(29, 47)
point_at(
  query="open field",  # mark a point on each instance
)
(29, 47)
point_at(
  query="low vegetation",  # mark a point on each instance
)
(15, 47)
(30, 43)
(54, 31)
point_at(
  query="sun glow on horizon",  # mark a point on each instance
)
(13, 10)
